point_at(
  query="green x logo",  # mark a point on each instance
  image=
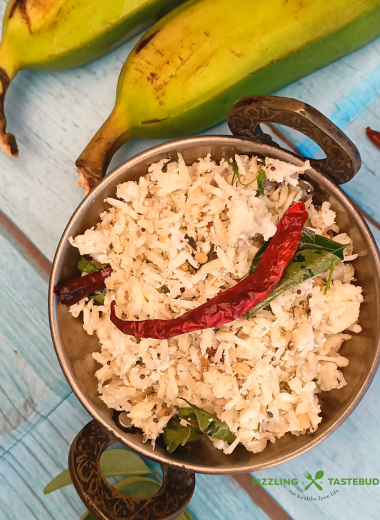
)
(318, 476)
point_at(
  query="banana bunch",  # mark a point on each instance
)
(60, 34)
(190, 68)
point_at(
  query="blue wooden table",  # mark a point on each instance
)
(53, 117)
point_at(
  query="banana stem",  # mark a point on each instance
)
(7, 73)
(93, 162)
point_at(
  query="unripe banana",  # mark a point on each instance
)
(189, 69)
(60, 34)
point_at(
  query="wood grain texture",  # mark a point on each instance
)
(31, 381)
(54, 116)
(24, 246)
(260, 497)
(35, 460)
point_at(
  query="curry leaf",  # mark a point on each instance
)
(309, 240)
(99, 295)
(209, 424)
(314, 255)
(191, 241)
(112, 463)
(87, 266)
(304, 265)
(175, 434)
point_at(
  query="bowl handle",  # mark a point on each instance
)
(342, 157)
(106, 503)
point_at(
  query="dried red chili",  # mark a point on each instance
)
(238, 300)
(374, 136)
(73, 291)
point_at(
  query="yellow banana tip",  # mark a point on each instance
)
(85, 180)
(7, 140)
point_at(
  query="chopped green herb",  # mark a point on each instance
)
(236, 174)
(286, 387)
(315, 379)
(191, 241)
(328, 283)
(258, 428)
(235, 169)
(217, 329)
(260, 182)
(164, 169)
(164, 289)
(112, 463)
(87, 266)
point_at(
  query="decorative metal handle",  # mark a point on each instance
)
(342, 157)
(106, 503)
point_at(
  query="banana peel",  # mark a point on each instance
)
(193, 65)
(60, 34)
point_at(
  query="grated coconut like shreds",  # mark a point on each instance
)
(237, 372)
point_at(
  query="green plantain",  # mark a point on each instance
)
(60, 34)
(189, 69)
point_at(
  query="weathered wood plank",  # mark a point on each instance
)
(31, 380)
(28, 466)
(31, 463)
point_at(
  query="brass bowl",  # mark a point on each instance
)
(74, 347)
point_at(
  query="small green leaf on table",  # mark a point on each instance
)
(112, 463)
